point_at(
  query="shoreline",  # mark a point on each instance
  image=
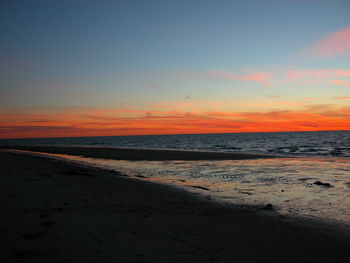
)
(180, 188)
(58, 210)
(139, 154)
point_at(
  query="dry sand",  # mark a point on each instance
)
(53, 211)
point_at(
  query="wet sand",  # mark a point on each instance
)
(139, 154)
(53, 211)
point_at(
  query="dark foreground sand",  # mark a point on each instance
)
(52, 211)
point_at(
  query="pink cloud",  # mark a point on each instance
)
(317, 74)
(261, 77)
(334, 44)
(341, 82)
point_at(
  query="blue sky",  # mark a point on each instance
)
(139, 53)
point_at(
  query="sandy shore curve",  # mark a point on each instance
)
(54, 211)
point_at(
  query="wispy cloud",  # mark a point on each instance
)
(264, 77)
(334, 44)
(260, 77)
(153, 86)
(341, 98)
(320, 74)
(341, 82)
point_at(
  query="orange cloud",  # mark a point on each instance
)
(334, 44)
(341, 82)
(104, 122)
(342, 98)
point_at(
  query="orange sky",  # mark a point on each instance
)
(73, 122)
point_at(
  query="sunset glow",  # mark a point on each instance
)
(101, 122)
(132, 69)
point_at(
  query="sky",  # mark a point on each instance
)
(100, 68)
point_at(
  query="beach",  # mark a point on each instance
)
(55, 211)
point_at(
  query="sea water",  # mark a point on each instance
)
(287, 183)
(323, 143)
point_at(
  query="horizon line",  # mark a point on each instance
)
(171, 134)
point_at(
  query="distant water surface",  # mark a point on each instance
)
(325, 143)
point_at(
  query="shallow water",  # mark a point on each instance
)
(286, 183)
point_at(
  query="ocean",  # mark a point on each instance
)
(323, 143)
(311, 180)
